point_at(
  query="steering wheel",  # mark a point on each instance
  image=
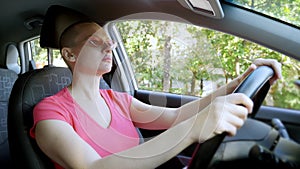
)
(256, 88)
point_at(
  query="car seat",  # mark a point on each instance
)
(27, 91)
(33, 86)
(7, 79)
(8, 76)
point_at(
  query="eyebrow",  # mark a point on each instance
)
(83, 39)
(104, 38)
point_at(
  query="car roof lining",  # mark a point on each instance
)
(234, 22)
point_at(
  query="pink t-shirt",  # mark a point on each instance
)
(120, 135)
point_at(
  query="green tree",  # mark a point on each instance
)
(199, 60)
(138, 38)
(159, 57)
(287, 10)
(236, 54)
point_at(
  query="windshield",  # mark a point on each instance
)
(285, 10)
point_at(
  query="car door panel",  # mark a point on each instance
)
(289, 117)
(162, 99)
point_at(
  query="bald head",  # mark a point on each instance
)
(77, 34)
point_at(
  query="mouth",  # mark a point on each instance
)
(107, 58)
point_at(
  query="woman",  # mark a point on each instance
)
(84, 127)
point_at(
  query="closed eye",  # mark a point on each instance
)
(96, 42)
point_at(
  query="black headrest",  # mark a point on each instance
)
(56, 21)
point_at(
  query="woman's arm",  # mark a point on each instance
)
(153, 117)
(156, 117)
(58, 140)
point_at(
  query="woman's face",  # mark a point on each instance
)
(93, 50)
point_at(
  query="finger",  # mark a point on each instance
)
(239, 111)
(236, 121)
(232, 130)
(278, 74)
(229, 129)
(229, 123)
(272, 63)
(240, 99)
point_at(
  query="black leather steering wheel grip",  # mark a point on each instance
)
(254, 86)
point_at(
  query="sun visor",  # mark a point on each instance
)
(210, 8)
(56, 21)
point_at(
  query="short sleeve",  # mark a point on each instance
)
(48, 109)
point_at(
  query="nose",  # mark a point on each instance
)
(109, 45)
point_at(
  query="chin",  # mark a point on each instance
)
(103, 71)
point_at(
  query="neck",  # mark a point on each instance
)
(85, 86)
(85, 91)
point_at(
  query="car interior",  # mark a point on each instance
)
(270, 138)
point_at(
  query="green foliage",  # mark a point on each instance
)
(236, 54)
(138, 38)
(286, 10)
(205, 55)
(39, 55)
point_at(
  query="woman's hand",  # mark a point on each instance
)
(224, 114)
(264, 62)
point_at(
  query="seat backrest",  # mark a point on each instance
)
(7, 79)
(28, 90)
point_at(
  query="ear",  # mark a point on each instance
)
(68, 55)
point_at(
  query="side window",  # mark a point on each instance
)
(39, 55)
(185, 59)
